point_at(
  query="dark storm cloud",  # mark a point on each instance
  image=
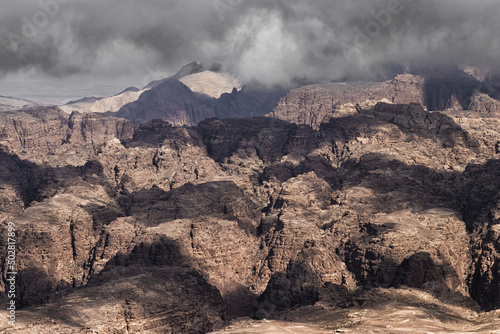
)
(269, 41)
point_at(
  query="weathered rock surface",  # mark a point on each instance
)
(50, 136)
(481, 102)
(159, 225)
(211, 83)
(452, 89)
(312, 105)
(248, 102)
(378, 311)
(131, 299)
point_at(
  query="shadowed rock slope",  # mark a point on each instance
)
(176, 103)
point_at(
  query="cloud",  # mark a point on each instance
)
(268, 41)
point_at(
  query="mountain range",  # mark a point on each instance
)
(197, 204)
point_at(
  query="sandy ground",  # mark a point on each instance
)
(383, 311)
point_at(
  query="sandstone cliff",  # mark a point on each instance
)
(451, 89)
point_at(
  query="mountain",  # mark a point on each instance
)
(219, 94)
(250, 101)
(10, 103)
(188, 69)
(206, 83)
(456, 89)
(174, 102)
(89, 99)
(211, 84)
(103, 104)
(170, 100)
(385, 216)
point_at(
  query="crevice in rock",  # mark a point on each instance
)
(191, 235)
(72, 235)
(156, 160)
(127, 314)
(106, 243)
(91, 262)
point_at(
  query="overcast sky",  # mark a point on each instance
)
(54, 50)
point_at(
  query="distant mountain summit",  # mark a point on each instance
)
(188, 69)
(205, 82)
(129, 89)
(89, 99)
(170, 100)
(103, 104)
(211, 84)
(11, 103)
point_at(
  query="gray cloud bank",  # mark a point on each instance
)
(268, 41)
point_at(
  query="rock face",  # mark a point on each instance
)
(134, 299)
(482, 102)
(47, 134)
(312, 105)
(249, 102)
(484, 218)
(211, 84)
(176, 229)
(451, 89)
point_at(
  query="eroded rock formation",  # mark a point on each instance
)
(176, 229)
